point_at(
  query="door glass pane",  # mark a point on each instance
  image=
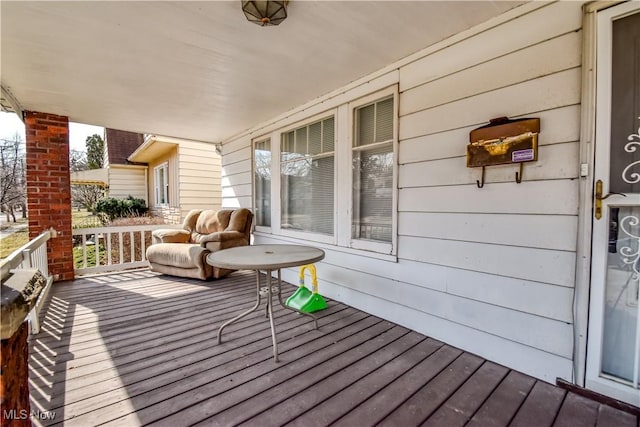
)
(621, 293)
(625, 105)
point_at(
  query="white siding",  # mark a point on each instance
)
(198, 176)
(127, 181)
(489, 270)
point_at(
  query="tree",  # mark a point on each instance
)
(87, 196)
(77, 160)
(95, 151)
(13, 183)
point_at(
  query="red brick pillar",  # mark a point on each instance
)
(49, 187)
(14, 381)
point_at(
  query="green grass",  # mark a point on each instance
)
(13, 241)
(91, 256)
(80, 214)
(84, 219)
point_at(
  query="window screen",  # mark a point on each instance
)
(373, 172)
(161, 182)
(307, 178)
(262, 182)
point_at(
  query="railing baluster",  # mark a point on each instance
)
(143, 242)
(109, 261)
(42, 257)
(96, 245)
(84, 250)
(132, 247)
(121, 246)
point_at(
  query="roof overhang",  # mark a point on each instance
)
(152, 149)
(98, 177)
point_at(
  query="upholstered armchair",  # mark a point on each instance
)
(183, 252)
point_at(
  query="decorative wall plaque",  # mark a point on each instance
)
(504, 141)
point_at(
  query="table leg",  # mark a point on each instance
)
(246, 313)
(270, 310)
(315, 319)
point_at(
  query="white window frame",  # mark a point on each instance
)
(368, 245)
(254, 141)
(164, 167)
(298, 234)
(344, 132)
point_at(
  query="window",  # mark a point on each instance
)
(373, 171)
(262, 182)
(307, 178)
(332, 178)
(161, 184)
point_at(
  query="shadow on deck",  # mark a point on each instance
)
(140, 348)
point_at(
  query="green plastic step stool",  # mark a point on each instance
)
(303, 299)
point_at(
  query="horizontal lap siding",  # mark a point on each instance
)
(199, 176)
(124, 182)
(507, 250)
(490, 270)
(236, 174)
(561, 125)
(439, 300)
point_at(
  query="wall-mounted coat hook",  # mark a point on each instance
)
(519, 175)
(478, 183)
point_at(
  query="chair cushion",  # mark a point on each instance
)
(238, 220)
(211, 221)
(190, 220)
(183, 255)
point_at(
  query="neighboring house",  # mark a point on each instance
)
(125, 178)
(181, 175)
(172, 175)
(375, 174)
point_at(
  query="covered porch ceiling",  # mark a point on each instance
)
(198, 69)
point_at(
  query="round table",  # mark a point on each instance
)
(267, 258)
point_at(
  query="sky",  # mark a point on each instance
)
(78, 132)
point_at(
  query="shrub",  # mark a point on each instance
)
(119, 208)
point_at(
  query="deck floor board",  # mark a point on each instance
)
(139, 348)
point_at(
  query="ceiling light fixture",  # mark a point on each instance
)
(265, 13)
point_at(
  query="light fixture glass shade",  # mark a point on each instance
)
(266, 12)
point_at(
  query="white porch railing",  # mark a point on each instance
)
(110, 249)
(31, 256)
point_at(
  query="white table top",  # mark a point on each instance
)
(265, 257)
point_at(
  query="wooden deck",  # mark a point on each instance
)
(140, 348)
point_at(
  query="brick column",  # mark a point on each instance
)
(49, 187)
(14, 381)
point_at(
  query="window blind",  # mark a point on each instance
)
(307, 178)
(262, 182)
(372, 194)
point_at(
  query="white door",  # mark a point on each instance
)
(613, 354)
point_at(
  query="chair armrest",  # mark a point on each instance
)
(171, 235)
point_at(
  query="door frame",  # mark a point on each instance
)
(596, 109)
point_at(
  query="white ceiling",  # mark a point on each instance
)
(198, 69)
